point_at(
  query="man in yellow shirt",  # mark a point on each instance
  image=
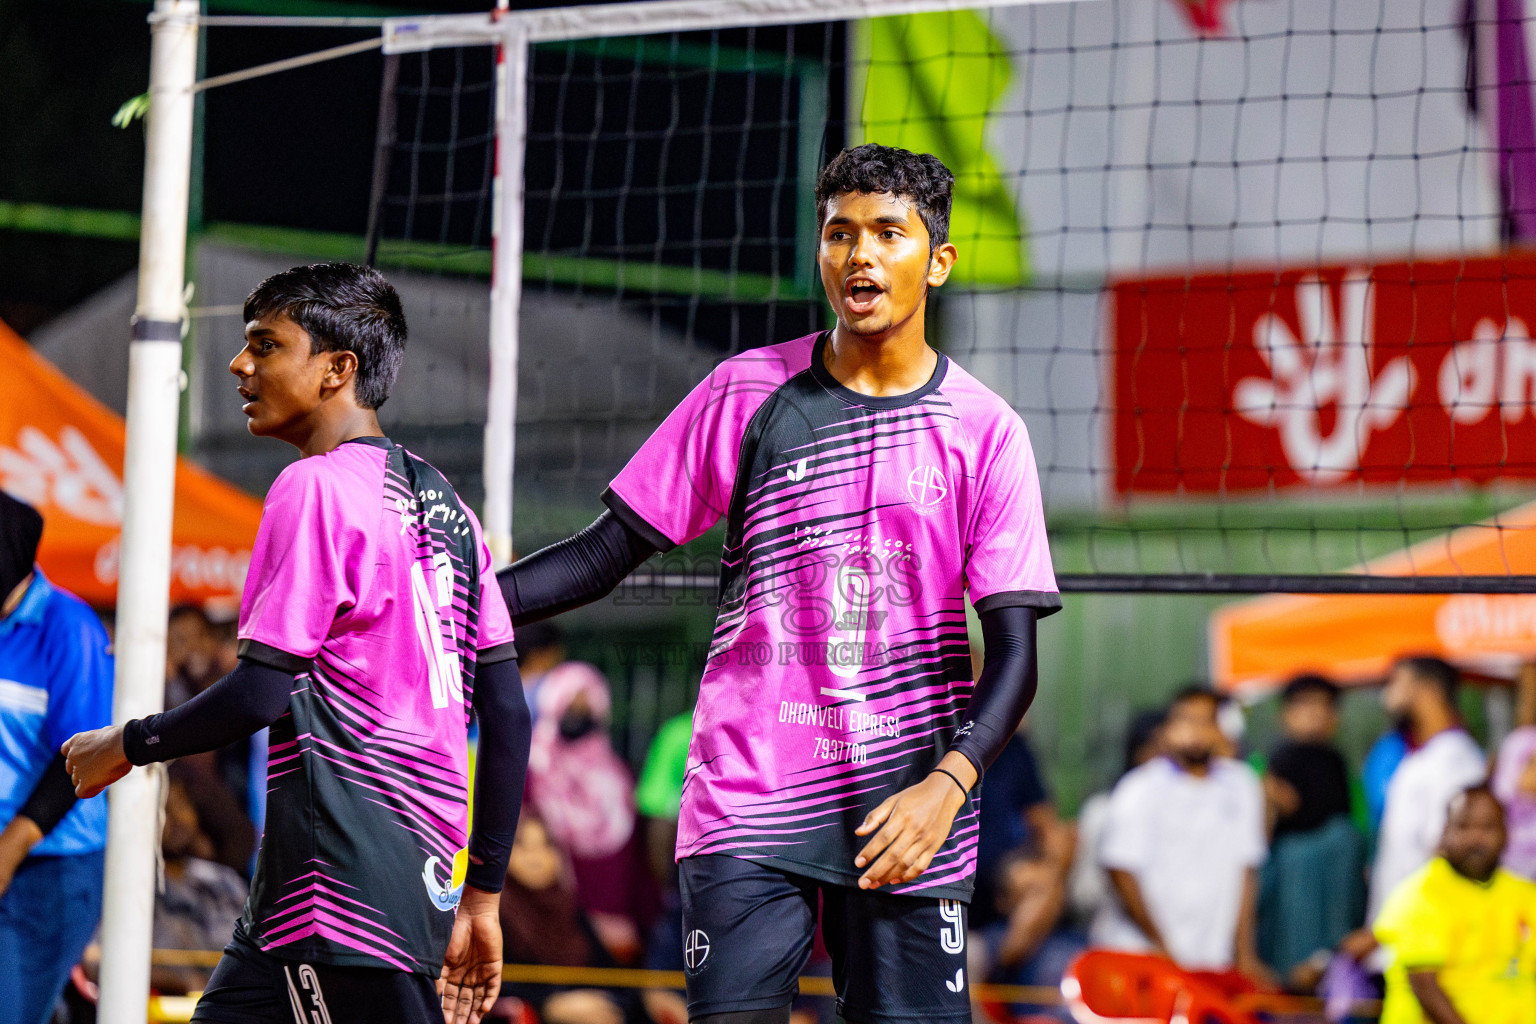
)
(1460, 929)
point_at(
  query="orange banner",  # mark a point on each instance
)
(62, 451)
(1355, 638)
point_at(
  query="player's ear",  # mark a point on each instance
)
(940, 262)
(341, 371)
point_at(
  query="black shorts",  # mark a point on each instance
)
(252, 987)
(748, 930)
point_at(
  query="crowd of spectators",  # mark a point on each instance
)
(1409, 879)
(1282, 865)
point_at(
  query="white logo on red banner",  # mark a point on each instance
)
(1402, 373)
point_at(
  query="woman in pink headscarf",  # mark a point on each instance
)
(1514, 783)
(586, 795)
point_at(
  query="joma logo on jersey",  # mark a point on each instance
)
(927, 488)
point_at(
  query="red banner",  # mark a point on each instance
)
(1414, 372)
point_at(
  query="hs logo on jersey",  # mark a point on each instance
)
(927, 488)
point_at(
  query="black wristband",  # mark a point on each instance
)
(134, 747)
(956, 779)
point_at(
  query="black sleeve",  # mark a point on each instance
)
(1009, 676)
(500, 768)
(574, 571)
(250, 698)
(52, 797)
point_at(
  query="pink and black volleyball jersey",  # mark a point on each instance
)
(369, 581)
(855, 526)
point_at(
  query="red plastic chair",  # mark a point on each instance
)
(1102, 987)
(512, 1010)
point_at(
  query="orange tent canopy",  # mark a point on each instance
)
(1354, 638)
(62, 451)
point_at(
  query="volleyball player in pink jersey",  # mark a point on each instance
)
(868, 486)
(371, 632)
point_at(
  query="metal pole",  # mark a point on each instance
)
(506, 291)
(384, 140)
(149, 472)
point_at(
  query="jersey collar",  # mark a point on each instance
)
(30, 608)
(825, 379)
(372, 442)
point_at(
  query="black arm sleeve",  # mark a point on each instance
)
(52, 797)
(500, 768)
(574, 571)
(1009, 676)
(248, 699)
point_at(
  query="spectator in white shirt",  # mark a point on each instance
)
(1182, 844)
(1442, 761)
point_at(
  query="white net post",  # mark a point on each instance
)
(149, 486)
(506, 290)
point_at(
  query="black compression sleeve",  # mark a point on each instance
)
(52, 797)
(248, 699)
(1006, 688)
(574, 571)
(500, 768)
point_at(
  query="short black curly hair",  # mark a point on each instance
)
(871, 168)
(344, 308)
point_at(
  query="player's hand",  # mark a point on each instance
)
(912, 826)
(95, 759)
(471, 977)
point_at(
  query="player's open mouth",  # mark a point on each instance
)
(250, 400)
(861, 295)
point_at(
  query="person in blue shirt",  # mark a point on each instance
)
(55, 681)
